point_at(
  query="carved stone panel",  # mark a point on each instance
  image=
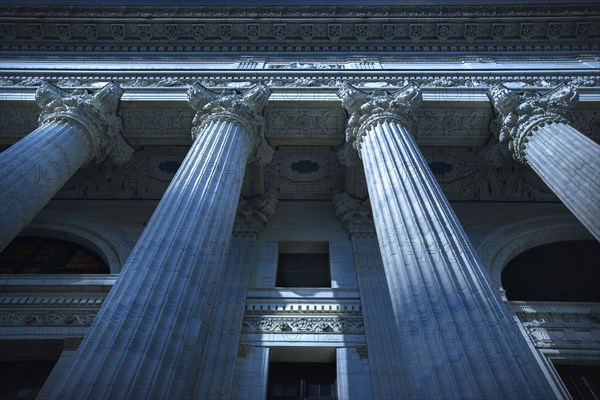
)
(305, 172)
(287, 125)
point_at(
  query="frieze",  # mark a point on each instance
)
(312, 324)
(47, 318)
(469, 127)
(171, 123)
(305, 123)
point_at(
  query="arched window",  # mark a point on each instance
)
(38, 255)
(561, 271)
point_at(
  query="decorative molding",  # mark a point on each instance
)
(253, 215)
(237, 75)
(361, 350)
(243, 350)
(303, 324)
(95, 113)
(560, 325)
(356, 215)
(24, 318)
(64, 301)
(367, 110)
(300, 29)
(304, 172)
(255, 306)
(522, 115)
(245, 109)
(467, 126)
(285, 123)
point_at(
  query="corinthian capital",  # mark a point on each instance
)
(244, 108)
(95, 112)
(356, 215)
(253, 215)
(521, 115)
(367, 110)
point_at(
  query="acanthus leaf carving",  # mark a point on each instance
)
(356, 215)
(316, 324)
(253, 215)
(367, 110)
(96, 113)
(521, 115)
(244, 108)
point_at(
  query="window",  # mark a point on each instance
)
(582, 381)
(303, 264)
(37, 255)
(300, 381)
(23, 380)
(561, 271)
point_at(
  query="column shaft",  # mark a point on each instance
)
(76, 128)
(569, 163)
(34, 169)
(383, 348)
(148, 339)
(458, 341)
(537, 133)
(218, 363)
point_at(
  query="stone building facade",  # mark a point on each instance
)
(255, 202)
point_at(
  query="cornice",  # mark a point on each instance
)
(287, 12)
(407, 29)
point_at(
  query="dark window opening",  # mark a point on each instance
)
(582, 381)
(301, 381)
(22, 380)
(561, 271)
(303, 264)
(37, 255)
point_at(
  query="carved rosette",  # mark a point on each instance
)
(244, 108)
(356, 215)
(521, 116)
(368, 110)
(253, 215)
(95, 112)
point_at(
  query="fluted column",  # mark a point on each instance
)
(75, 128)
(456, 340)
(218, 363)
(538, 134)
(149, 338)
(384, 351)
